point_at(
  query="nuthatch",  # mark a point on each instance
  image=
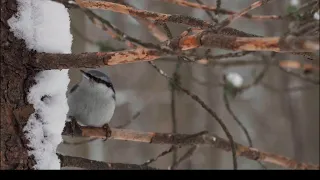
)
(92, 101)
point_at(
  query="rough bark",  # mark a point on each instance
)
(16, 78)
(69, 161)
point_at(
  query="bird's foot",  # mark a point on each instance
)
(107, 128)
(73, 125)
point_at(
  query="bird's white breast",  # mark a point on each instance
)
(92, 106)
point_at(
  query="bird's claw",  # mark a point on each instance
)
(73, 126)
(107, 128)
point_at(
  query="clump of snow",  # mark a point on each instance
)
(235, 79)
(316, 15)
(45, 126)
(295, 2)
(45, 27)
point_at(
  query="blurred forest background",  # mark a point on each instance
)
(281, 112)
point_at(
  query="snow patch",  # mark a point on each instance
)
(45, 27)
(235, 79)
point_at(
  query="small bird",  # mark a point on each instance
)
(92, 101)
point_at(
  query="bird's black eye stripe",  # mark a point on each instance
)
(74, 88)
(98, 80)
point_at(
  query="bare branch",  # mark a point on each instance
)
(209, 110)
(209, 13)
(154, 30)
(260, 75)
(47, 61)
(184, 157)
(300, 76)
(77, 32)
(70, 161)
(171, 149)
(233, 17)
(160, 17)
(116, 33)
(294, 64)
(276, 44)
(173, 104)
(235, 118)
(218, 10)
(185, 139)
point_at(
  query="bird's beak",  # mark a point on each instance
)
(85, 74)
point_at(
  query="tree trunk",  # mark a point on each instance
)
(16, 78)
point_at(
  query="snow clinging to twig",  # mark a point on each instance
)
(235, 79)
(45, 27)
(295, 2)
(316, 15)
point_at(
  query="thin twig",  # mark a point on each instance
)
(209, 110)
(300, 76)
(174, 147)
(76, 31)
(184, 157)
(171, 149)
(208, 12)
(160, 17)
(233, 17)
(259, 76)
(114, 32)
(218, 10)
(219, 4)
(235, 118)
(153, 29)
(176, 78)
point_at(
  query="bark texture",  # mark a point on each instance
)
(16, 78)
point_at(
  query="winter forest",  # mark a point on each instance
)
(160, 84)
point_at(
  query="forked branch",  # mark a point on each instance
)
(159, 17)
(219, 10)
(185, 139)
